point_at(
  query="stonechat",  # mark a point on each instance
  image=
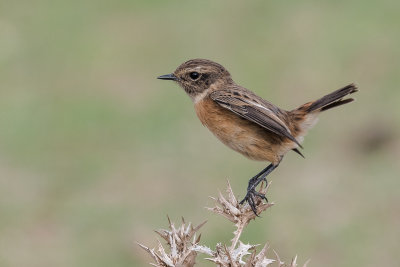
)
(244, 121)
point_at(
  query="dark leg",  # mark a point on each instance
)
(253, 182)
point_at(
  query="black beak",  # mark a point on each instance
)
(168, 77)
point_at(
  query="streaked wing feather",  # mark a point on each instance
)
(254, 112)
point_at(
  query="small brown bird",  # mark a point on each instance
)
(244, 121)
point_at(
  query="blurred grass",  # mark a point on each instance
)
(94, 151)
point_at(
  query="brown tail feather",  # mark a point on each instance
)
(337, 103)
(333, 99)
(305, 116)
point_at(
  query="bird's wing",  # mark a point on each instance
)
(252, 108)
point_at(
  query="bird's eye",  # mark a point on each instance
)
(194, 75)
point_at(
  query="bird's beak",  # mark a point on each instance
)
(168, 77)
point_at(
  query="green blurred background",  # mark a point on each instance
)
(95, 151)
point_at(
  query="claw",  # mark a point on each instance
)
(253, 182)
(252, 204)
(261, 195)
(251, 194)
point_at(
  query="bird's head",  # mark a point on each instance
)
(195, 76)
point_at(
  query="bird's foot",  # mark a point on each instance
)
(251, 199)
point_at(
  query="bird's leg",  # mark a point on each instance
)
(253, 182)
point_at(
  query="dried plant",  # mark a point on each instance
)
(184, 246)
(181, 242)
(240, 215)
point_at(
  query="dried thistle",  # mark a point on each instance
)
(237, 254)
(180, 241)
(184, 245)
(240, 215)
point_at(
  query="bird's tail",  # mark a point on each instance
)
(331, 100)
(304, 117)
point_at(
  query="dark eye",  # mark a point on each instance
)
(194, 75)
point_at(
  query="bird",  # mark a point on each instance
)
(247, 123)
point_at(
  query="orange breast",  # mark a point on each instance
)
(241, 135)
